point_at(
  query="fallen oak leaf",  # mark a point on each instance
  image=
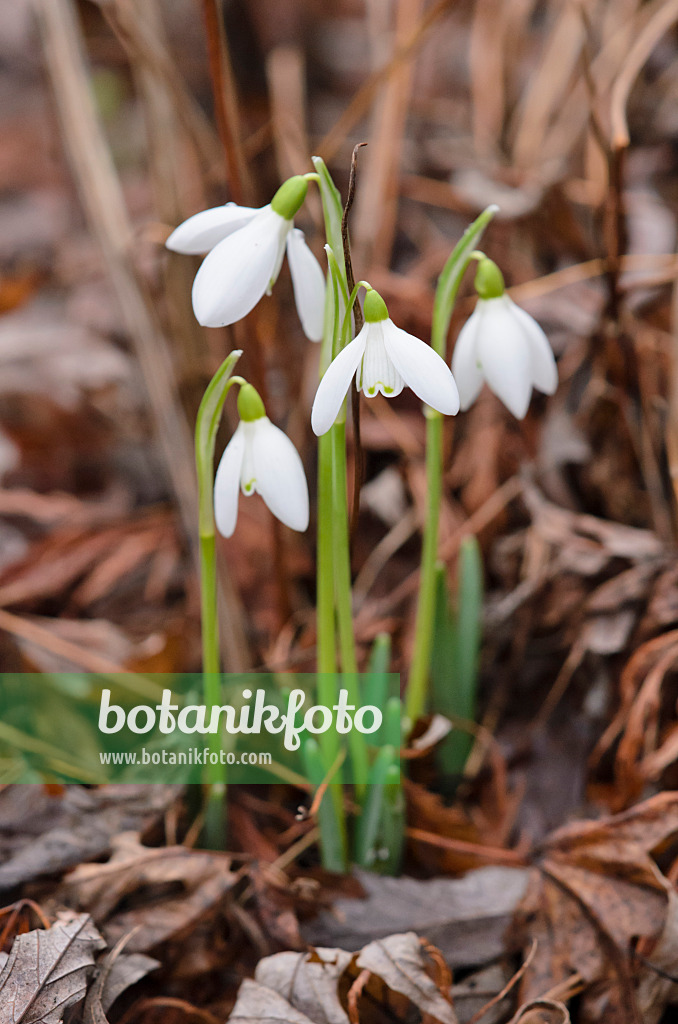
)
(258, 1004)
(399, 961)
(296, 988)
(47, 972)
(308, 981)
(116, 974)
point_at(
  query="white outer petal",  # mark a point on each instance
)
(308, 282)
(422, 369)
(280, 476)
(544, 368)
(285, 229)
(227, 483)
(465, 367)
(204, 230)
(503, 352)
(236, 273)
(335, 383)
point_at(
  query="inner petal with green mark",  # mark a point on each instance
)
(377, 373)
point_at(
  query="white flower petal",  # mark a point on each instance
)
(465, 369)
(335, 383)
(227, 483)
(504, 355)
(204, 230)
(544, 368)
(422, 369)
(280, 476)
(236, 273)
(308, 282)
(285, 229)
(378, 372)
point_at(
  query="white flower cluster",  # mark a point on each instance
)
(500, 345)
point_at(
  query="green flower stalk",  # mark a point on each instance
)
(446, 294)
(258, 458)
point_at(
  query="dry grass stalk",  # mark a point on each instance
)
(377, 204)
(101, 193)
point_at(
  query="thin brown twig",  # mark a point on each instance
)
(507, 987)
(168, 1003)
(322, 788)
(354, 994)
(496, 854)
(13, 911)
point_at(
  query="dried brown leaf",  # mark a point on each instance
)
(596, 892)
(308, 981)
(172, 888)
(399, 961)
(257, 1004)
(47, 971)
(115, 974)
(47, 835)
(466, 918)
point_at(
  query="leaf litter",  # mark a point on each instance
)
(573, 511)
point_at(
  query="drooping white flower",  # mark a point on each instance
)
(260, 459)
(504, 346)
(384, 358)
(245, 249)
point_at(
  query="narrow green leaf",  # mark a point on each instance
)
(468, 622)
(340, 298)
(456, 650)
(392, 826)
(331, 835)
(376, 687)
(391, 732)
(380, 655)
(207, 424)
(367, 829)
(332, 208)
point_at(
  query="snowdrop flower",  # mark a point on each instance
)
(245, 252)
(260, 458)
(384, 358)
(502, 345)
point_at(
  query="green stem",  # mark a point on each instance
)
(214, 831)
(417, 686)
(206, 427)
(342, 593)
(210, 640)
